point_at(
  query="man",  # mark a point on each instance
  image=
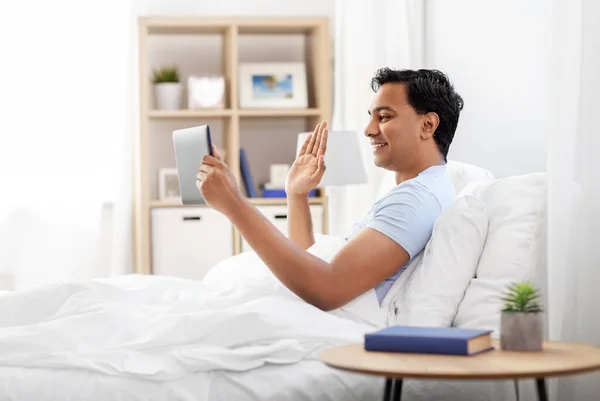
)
(413, 118)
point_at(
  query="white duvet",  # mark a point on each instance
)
(160, 328)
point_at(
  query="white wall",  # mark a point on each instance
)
(496, 53)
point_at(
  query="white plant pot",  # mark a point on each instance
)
(168, 95)
(521, 331)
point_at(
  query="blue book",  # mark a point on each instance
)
(429, 340)
(247, 175)
(280, 193)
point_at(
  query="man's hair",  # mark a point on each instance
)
(427, 91)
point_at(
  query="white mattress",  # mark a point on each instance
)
(304, 381)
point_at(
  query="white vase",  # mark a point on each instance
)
(168, 95)
(521, 331)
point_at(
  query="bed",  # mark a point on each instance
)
(305, 381)
(240, 335)
(93, 341)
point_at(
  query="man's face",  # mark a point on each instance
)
(394, 127)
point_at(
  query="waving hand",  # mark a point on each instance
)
(308, 168)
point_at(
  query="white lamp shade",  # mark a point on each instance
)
(343, 159)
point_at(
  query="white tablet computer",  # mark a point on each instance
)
(191, 145)
(343, 158)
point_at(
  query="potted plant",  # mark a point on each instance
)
(521, 326)
(167, 88)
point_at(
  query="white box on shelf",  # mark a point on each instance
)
(278, 174)
(206, 92)
(188, 242)
(277, 214)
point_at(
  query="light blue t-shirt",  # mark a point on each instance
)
(408, 213)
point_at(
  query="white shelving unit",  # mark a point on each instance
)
(185, 241)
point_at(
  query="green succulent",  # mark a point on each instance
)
(165, 74)
(522, 297)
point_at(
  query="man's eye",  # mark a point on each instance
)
(383, 118)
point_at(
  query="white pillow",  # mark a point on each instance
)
(514, 247)
(461, 174)
(429, 293)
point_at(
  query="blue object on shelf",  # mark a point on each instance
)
(247, 175)
(280, 193)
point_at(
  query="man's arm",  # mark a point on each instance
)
(300, 230)
(368, 259)
(400, 228)
(304, 176)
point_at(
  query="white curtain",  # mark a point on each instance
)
(574, 186)
(368, 35)
(67, 118)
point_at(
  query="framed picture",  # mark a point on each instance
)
(273, 85)
(168, 185)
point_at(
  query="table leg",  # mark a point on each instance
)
(541, 389)
(387, 393)
(398, 390)
(392, 386)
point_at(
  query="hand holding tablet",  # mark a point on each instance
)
(204, 178)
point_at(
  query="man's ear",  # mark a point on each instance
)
(430, 123)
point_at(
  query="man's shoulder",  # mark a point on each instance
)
(408, 212)
(432, 183)
(409, 197)
(438, 190)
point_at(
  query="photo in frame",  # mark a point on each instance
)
(273, 85)
(168, 185)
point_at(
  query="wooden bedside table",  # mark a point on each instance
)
(556, 359)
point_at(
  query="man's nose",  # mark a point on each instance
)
(371, 129)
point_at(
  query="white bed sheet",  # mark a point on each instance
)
(239, 335)
(145, 338)
(305, 381)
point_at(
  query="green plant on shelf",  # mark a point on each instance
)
(522, 297)
(166, 74)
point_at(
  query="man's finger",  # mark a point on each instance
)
(323, 143)
(313, 138)
(317, 139)
(216, 153)
(319, 136)
(321, 163)
(205, 168)
(210, 160)
(305, 145)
